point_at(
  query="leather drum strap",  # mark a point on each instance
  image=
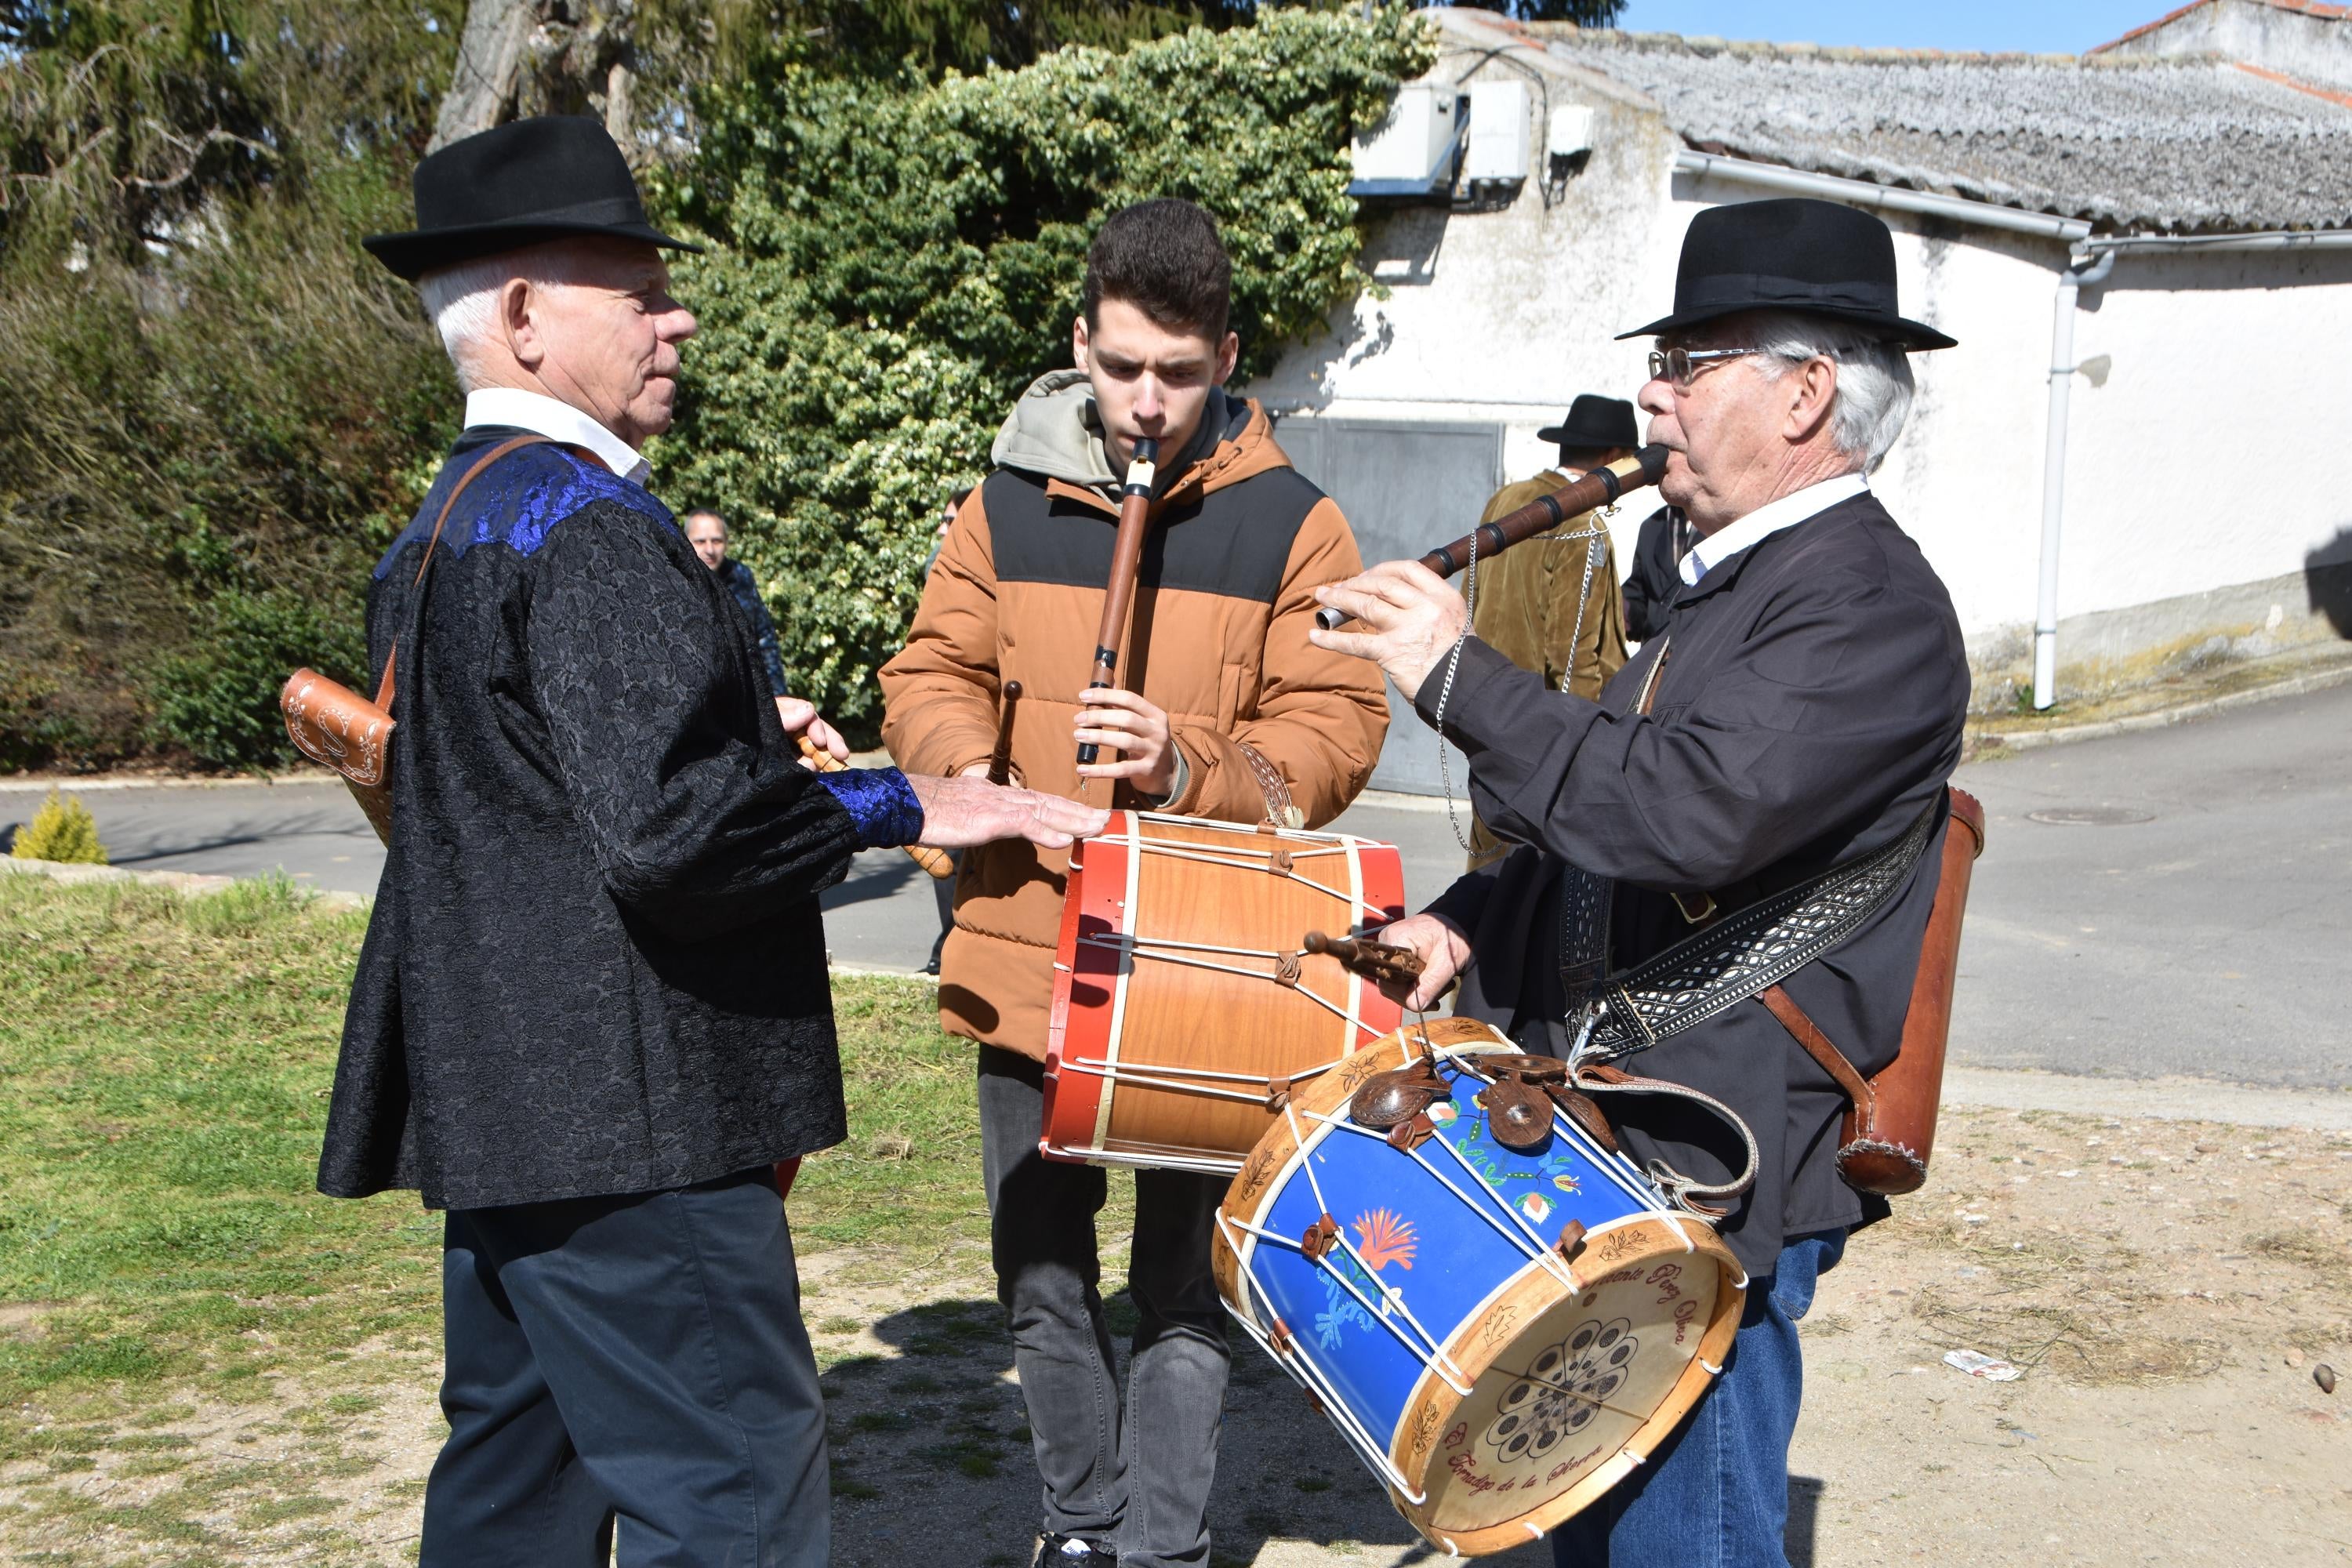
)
(1819, 1047)
(383, 687)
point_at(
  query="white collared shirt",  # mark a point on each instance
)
(544, 415)
(1770, 519)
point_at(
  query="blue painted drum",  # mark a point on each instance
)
(1500, 1333)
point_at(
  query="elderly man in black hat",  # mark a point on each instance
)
(1799, 710)
(592, 1014)
(1550, 606)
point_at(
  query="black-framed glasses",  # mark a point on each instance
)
(1680, 367)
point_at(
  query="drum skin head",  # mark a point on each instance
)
(1570, 1388)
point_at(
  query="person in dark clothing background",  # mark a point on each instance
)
(1802, 708)
(706, 532)
(1656, 577)
(592, 1012)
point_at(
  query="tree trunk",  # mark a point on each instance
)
(490, 58)
(540, 57)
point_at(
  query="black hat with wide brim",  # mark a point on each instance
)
(1593, 422)
(1791, 254)
(551, 177)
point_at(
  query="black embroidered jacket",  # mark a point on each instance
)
(595, 962)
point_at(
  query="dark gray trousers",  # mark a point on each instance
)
(1131, 1474)
(640, 1356)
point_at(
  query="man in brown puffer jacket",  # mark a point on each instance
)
(1219, 667)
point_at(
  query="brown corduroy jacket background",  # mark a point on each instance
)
(1526, 611)
(1218, 638)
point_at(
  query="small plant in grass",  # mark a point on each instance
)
(62, 829)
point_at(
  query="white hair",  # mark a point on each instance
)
(463, 300)
(1874, 377)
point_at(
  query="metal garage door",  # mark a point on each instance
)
(1404, 487)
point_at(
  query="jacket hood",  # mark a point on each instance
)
(1055, 432)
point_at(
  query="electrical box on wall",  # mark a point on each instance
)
(1570, 130)
(1498, 133)
(1413, 151)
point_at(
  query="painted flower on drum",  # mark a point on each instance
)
(1381, 1239)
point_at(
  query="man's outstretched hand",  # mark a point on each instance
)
(961, 812)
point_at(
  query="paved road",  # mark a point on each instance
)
(2207, 938)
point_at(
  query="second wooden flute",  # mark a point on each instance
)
(1599, 488)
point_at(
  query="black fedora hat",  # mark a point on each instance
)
(517, 184)
(1791, 254)
(1595, 421)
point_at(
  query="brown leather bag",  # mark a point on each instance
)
(1889, 1130)
(336, 726)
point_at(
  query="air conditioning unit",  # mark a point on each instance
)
(1498, 133)
(1412, 152)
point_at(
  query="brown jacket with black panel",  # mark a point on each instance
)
(1238, 543)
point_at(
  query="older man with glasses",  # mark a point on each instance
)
(1800, 710)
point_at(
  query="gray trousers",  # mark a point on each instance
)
(640, 1356)
(1131, 1474)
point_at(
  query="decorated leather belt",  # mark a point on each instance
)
(1742, 954)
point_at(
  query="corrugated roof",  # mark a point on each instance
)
(2164, 145)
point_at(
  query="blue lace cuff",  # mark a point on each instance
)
(882, 803)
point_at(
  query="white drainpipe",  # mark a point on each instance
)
(2071, 283)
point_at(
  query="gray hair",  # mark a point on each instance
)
(463, 300)
(1874, 377)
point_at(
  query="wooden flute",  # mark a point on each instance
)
(1599, 488)
(1125, 556)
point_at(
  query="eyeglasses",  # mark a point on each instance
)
(1681, 366)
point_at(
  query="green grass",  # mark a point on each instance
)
(164, 1068)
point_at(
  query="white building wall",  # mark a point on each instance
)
(1505, 316)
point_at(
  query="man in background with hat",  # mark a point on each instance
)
(1800, 708)
(591, 1013)
(1549, 605)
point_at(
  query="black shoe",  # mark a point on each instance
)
(1068, 1552)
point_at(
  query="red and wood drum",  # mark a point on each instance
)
(1183, 1003)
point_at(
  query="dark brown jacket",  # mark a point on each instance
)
(1239, 541)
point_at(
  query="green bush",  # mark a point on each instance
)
(236, 406)
(219, 699)
(63, 830)
(895, 261)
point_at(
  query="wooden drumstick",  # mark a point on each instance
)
(1372, 960)
(935, 861)
(999, 761)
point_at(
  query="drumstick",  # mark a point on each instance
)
(935, 861)
(999, 761)
(1372, 960)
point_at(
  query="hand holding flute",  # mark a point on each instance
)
(1412, 619)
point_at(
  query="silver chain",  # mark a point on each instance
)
(1469, 614)
(1454, 662)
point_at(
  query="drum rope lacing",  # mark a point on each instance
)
(1529, 1241)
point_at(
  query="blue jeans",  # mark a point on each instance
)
(1716, 1494)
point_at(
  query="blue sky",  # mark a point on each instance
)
(2063, 26)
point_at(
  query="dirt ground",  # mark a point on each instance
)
(2169, 1289)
